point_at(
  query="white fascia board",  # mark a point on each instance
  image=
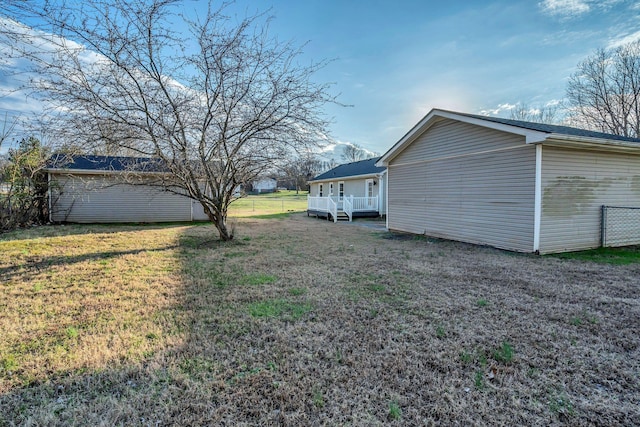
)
(531, 136)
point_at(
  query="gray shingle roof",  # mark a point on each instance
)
(542, 127)
(363, 167)
(105, 163)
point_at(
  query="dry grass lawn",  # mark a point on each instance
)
(305, 322)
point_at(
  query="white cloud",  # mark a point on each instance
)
(498, 110)
(568, 9)
(622, 40)
(565, 8)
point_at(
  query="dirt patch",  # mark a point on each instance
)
(312, 323)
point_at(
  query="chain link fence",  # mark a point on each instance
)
(620, 226)
(262, 205)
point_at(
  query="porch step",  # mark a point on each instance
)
(341, 216)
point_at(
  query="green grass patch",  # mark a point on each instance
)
(256, 279)
(318, 398)
(615, 256)
(395, 413)
(370, 286)
(560, 404)
(478, 380)
(296, 292)
(504, 353)
(279, 308)
(72, 332)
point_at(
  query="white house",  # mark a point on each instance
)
(265, 185)
(349, 190)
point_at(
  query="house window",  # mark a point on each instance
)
(330, 189)
(341, 190)
(320, 190)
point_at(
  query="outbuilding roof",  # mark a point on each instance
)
(534, 133)
(104, 163)
(547, 128)
(363, 167)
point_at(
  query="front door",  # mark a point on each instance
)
(369, 193)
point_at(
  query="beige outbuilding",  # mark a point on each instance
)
(515, 185)
(103, 189)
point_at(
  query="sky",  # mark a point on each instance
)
(391, 62)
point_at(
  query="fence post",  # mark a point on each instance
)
(603, 226)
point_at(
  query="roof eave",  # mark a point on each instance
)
(98, 172)
(334, 178)
(531, 136)
(562, 140)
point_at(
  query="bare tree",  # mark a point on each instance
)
(301, 169)
(547, 114)
(604, 93)
(8, 125)
(217, 108)
(355, 153)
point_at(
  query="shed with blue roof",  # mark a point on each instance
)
(106, 189)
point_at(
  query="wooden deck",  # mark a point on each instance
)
(345, 209)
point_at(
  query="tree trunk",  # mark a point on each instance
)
(225, 234)
(219, 221)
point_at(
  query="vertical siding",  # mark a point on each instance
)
(93, 198)
(483, 198)
(575, 183)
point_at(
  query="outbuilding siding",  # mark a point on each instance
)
(97, 198)
(575, 184)
(450, 138)
(464, 182)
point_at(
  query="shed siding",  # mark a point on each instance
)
(575, 183)
(484, 198)
(450, 138)
(95, 198)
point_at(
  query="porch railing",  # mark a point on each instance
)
(332, 208)
(365, 203)
(358, 204)
(347, 206)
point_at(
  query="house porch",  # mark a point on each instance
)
(346, 208)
